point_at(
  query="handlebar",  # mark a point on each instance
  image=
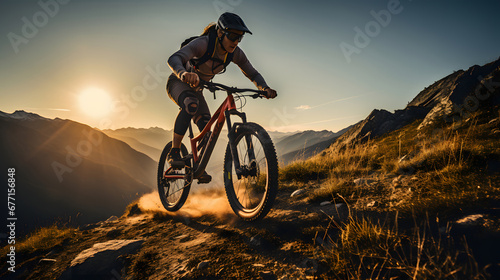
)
(216, 86)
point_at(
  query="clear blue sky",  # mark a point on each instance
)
(51, 53)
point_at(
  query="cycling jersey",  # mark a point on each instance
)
(179, 62)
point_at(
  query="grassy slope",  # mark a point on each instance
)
(447, 171)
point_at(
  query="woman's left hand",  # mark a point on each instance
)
(271, 93)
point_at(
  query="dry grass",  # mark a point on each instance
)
(364, 249)
(44, 239)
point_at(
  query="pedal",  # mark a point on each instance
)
(204, 179)
(177, 165)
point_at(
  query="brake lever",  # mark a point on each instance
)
(258, 95)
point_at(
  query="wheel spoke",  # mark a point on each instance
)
(252, 195)
(172, 192)
(247, 189)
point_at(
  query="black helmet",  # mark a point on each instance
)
(231, 21)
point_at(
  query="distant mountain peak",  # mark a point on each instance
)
(22, 115)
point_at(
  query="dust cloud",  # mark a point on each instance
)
(210, 202)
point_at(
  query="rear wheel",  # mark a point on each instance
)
(173, 192)
(252, 195)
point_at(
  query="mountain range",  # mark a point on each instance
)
(69, 172)
(289, 145)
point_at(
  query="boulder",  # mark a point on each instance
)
(101, 261)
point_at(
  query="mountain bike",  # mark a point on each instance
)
(250, 161)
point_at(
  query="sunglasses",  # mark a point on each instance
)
(234, 36)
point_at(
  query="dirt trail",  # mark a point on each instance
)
(205, 240)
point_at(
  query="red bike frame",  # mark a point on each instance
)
(219, 117)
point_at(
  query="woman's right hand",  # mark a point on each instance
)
(191, 79)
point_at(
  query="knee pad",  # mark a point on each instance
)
(191, 105)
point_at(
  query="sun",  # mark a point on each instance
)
(95, 102)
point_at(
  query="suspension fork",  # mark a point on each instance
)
(232, 140)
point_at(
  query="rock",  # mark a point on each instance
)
(203, 265)
(256, 240)
(372, 204)
(380, 122)
(363, 182)
(111, 219)
(471, 220)
(336, 211)
(310, 265)
(267, 275)
(298, 192)
(340, 205)
(325, 203)
(101, 260)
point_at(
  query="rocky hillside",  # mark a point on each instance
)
(67, 171)
(452, 98)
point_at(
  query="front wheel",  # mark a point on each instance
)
(252, 195)
(173, 192)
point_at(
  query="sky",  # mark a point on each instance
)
(331, 62)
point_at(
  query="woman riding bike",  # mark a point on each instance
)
(203, 58)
